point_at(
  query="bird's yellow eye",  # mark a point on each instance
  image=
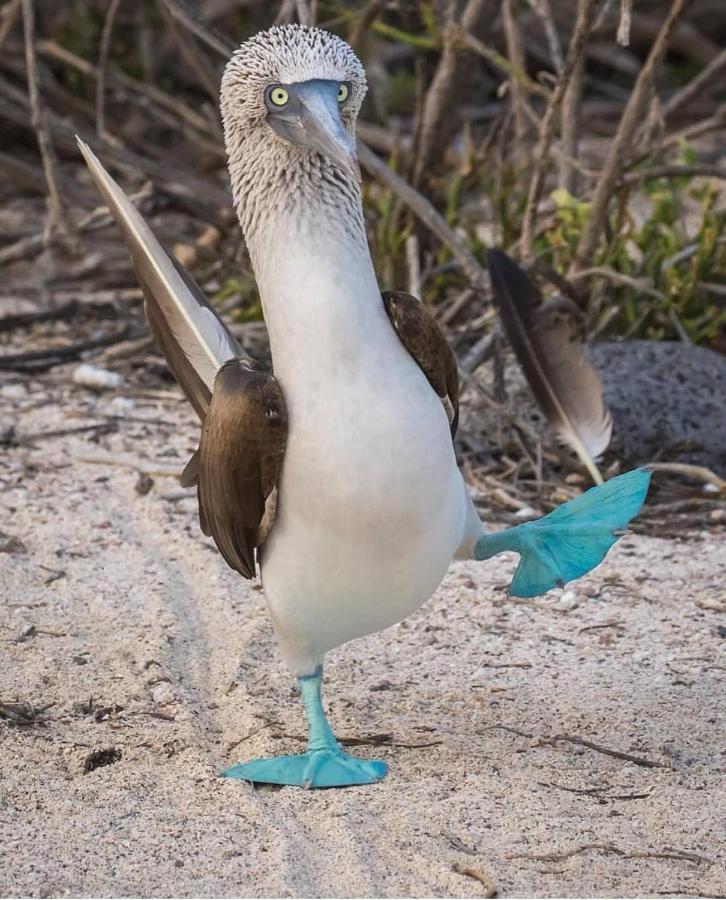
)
(279, 96)
(343, 92)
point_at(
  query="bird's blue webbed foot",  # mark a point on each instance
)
(314, 769)
(573, 538)
(323, 765)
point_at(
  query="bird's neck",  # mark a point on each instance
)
(316, 279)
(279, 189)
(319, 293)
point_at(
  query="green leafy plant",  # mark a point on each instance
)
(663, 273)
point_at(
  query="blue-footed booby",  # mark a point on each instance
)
(337, 473)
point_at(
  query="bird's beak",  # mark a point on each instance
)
(315, 122)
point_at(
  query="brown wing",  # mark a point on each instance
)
(421, 335)
(237, 465)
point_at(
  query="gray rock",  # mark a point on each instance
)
(667, 399)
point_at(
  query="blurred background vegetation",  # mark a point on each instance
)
(585, 137)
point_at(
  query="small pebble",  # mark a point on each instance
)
(13, 391)
(120, 405)
(11, 544)
(525, 513)
(574, 478)
(144, 484)
(96, 378)
(162, 694)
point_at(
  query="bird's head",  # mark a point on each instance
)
(290, 97)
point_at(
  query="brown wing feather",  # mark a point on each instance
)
(421, 335)
(239, 460)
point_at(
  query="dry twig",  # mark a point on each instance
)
(675, 171)
(102, 62)
(488, 885)
(427, 214)
(42, 360)
(364, 20)
(570, 121)
(626, 14)
(437, 108)
(57, 222)
(188, 48)
(178, 107)
(621, 144)
(667, 853)
(306, 12)
(544, 11)
(8, 17)
(707, 78)
(576, 47)
(182, 14)
(700, 473)
(607, 751)
(515, 52)
(503, 64)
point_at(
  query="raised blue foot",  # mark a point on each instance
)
(324, 765)
(573, 538)
(314, 769)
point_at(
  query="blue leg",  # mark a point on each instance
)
(573, 538)
(323, 765)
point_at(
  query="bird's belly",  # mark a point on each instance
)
(371, 510)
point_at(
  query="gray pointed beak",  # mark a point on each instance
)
(313, 120)
(324, 129)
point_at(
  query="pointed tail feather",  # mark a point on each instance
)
(572, 539)
(191, 336)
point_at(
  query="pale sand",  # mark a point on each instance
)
(148, 618)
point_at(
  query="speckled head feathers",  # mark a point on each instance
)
(287, 54)
(264, 169)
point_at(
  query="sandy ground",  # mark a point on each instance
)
(122, 620)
